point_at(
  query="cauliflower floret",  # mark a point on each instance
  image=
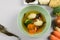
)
(38, 22)
(54, 3)
(32, 16)
(44, 1)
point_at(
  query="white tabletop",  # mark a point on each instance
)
(9, 10)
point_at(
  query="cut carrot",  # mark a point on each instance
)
(32, 31)
(32, 28)
(57, 34)
(52, 37)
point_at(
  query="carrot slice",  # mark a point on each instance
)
(52, 37)
(32, 28)
(57, 34)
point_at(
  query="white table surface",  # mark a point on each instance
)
(9, 10)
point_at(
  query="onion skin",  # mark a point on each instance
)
(57, 21)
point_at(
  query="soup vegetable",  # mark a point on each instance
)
(33, 22)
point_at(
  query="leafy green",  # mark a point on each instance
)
(56, 11)
(28, 21)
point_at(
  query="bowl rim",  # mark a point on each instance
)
(37, 35)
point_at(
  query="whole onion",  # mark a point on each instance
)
(57, 21)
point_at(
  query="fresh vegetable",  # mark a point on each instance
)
(32, 16)
(43, 1)
(58, 14)
(28, 21)
(57, 21)
(56, 11)
(57, 34)
(52, 37)
(57, 29)
(32, 28)
(38, 22)
(54, 3)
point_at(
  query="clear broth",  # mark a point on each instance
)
(25, 17)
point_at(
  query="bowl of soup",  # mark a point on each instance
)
(34, 21)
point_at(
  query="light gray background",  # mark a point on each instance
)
(9, 10)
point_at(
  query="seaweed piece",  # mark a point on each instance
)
(28, 22)
(3, 30)
(38, 15)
